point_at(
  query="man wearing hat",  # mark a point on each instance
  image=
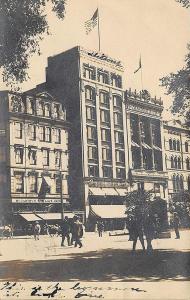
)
(37, 230)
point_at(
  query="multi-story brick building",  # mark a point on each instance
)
(102, 121)
(33, 152)
(177, 156)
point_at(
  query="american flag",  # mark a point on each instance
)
(90, 24)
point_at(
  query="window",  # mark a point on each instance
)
(145, 161)
(90, 113)
(56, 110)
(91, 133)
(33, 183)
(57, 158)
(117, 101)
(156, 188)
(103, 77)
(178, 145)
(47, 110)
(120, 173)
(92, 171)
(104, 98)
(19, 182)
(107, 171)
(118, 119)
(120, 156)
(105, 135)
(178, 184)
(90, 93)
(48, 134)
(90, 73)
(41, 133)
(32, 132)
(33, 156)
(179, 163)
(186, 147)
(175, 162)
(57, 136)
(106, 154)
(172, 162)
(187, 164)
(105, 116)
(174, 145)
(40, 108)
(170, 144)
(45, 153)
(154, 134)
(58, 185)
(19, 152)
(174, 183)
(119, 137)
(116, 80)
(92, 152)
(31, 106)
(18, 130)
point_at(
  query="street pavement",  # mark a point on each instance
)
(105, 259)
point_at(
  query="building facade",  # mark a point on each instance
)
(33, 153)
(177, 156)
(112, 150)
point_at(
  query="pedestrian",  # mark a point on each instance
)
(136, 231)
(176, 223)
(37, 229)
(149, 231)
(77, 231)
(100, 227)
(65, 231)
(46, 228)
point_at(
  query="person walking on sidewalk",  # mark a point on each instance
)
(137, 232)
(65, 231)
(176, 223)
(100, 227)
(37, 229)
(149, 231)
(77, 231)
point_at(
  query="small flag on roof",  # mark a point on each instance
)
(90, 24)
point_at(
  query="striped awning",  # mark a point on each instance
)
(30, 217)
(108, 211)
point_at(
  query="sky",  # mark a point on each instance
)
(158, 30)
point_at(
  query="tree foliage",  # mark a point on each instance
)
(185, 3)
(181, 204)
(178, 85)
(23, 24)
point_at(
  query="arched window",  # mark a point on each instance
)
(47, 110)
(178, 183)
(187, 164)
(104, 98)
(174, 183)
(170, 144)
(175, 162)
(186, 147)
(178, 145)
(179, 163)
(188, 183)
(90, 93)
(172, 162)
(181, 185)
(174, 145)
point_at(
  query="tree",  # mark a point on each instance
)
(23, 24)
(181, 204)
(178, 85)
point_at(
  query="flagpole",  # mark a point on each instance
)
(98, 29)
(141, 76)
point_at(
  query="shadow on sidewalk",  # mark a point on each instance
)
(105, 265)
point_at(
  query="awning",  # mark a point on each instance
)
(146, 146)
(122, 192)
(110, 192)
(157, 148)
(30, 217)
(54, 216)
(96, 191)
(103, 191)
(108, 211)
(134, 144)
